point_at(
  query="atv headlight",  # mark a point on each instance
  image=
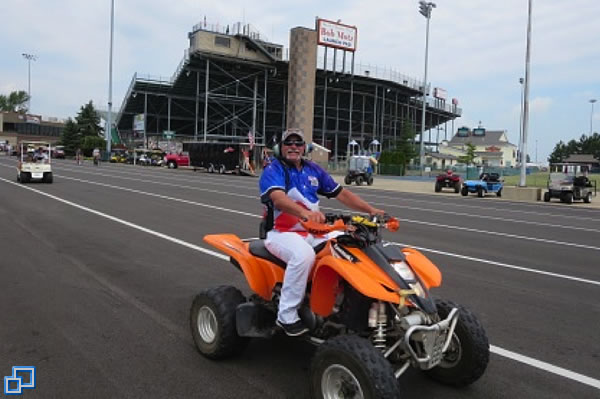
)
(407, 274)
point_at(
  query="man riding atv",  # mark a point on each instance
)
(289, 188)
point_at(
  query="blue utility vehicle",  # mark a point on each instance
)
(487, 183)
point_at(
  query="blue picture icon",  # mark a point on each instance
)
(23, 377)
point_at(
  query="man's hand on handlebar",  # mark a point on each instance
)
(376, 212)
(311, 216)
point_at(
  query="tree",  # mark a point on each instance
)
(585, 145)
(470, 156)
(88, 143)
(402, 150)
(70, 137)
(16, 101)
(88, 121)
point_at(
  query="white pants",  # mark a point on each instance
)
(297, 251)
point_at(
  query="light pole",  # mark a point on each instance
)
(425, 10)
(523, 178)
(109, 127)
(592, 101)
(521, 80)
(29, 58)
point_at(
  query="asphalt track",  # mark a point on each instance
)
(98, 271)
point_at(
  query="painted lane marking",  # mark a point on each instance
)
(375, 203)
(494, 349)
(505, 265)
(240, 184)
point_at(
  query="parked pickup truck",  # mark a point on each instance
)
(175, 160)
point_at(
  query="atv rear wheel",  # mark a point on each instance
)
(349, 366)
(212, 319)
(438, 187)
(464, 191)
(457, 187)
(467, 355)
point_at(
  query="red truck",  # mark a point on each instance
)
(175, 160)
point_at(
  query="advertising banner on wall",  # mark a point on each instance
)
(440, 93)
(333, 34)
(138, 123)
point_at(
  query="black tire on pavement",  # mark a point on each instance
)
(499, 193)
(569, 198)
(25, 177)
(212, 320)
(464, 191)
(370, 180)
(48, 178)
(347, 180)
(480, 192)
(438, 187)
(346, 365)
(359, 180)
(468, 355)
(547, 196)
(18, 178)
(457, 187)
(588, 198)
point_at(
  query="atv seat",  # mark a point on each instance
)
(257, 248)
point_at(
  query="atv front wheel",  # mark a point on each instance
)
(467, 356)
(212, 319)
(349, 366)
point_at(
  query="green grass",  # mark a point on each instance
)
(540, 179)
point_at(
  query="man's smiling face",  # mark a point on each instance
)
(293, 148)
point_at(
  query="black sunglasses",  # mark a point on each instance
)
(297, 143)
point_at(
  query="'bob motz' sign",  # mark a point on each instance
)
(332, 34)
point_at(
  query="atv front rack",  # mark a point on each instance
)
(435, 340)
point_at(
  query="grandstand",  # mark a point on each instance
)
(232, 80)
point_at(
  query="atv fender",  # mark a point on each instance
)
(428, 272)
(261, 275)
(325, 282)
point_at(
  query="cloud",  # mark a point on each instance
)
(540, 104)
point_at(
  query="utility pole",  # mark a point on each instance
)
(425, 10)
(29, 58)
(110, 57)
(523, 180)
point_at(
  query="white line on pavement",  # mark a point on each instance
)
(437, 225)
(494, 349)
(505, 265)
(546, 366)
(445, 212)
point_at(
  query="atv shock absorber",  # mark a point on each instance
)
(378, 320)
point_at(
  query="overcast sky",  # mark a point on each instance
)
(476, 53)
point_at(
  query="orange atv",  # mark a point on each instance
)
(367, 305)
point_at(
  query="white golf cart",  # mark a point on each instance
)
(35, 162)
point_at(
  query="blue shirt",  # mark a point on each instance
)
(303, 187)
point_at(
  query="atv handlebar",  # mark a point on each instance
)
(341, 222)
